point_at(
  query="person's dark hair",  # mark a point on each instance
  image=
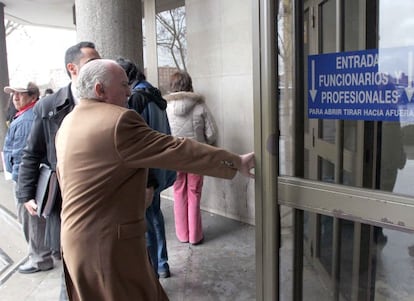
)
(74, 53)
(48, 91)
(132, 70)
(181, 81)
(11, 110)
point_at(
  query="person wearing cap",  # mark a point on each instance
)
(24, 100)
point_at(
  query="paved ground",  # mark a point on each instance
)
(222, 268)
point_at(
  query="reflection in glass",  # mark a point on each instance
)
(328, 44)
(327, 171)
(350, 134)
(395, 267)
(391, 259)
(375, 263)
(395, 23)
(285, 85)
(328, 29)
(347, 256)
(402, 170)
(305, 62)
(348, 178)
(352, 28)
(393, 156)
(328, 130)
(325, 243)
(306, 226)
(397, 164)
(395, 260)
(326, 222)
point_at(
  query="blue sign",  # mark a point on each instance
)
(376, 84)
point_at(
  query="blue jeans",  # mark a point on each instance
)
(155, 236)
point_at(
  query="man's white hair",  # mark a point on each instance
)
(96, 71)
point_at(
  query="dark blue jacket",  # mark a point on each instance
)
(152, 108)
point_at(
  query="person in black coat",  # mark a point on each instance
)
(40, 148)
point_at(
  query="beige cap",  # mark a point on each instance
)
(31, 88)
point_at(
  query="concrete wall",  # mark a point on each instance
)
(219, 36)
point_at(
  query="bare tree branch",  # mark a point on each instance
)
(171, 35)
(11, 26)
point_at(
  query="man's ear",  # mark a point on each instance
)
(99, 90)
(72, 68)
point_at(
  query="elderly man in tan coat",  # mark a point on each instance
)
(103, 152)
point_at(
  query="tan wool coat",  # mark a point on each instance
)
(103, 152)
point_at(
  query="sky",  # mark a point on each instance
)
(33, 51)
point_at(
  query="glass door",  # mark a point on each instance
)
(341, 152)
(348, 259)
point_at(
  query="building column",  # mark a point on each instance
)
(114, 26)
(4, 77)
(151, 54)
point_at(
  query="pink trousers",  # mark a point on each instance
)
(187, 215)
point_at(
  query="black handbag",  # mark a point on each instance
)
(46, 190)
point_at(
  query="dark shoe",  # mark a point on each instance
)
(56, 256)
(164, 274)
(29, 268)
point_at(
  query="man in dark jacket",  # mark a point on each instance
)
(40, 148)
(148, 102)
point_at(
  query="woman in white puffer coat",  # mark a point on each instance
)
(189, 117)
